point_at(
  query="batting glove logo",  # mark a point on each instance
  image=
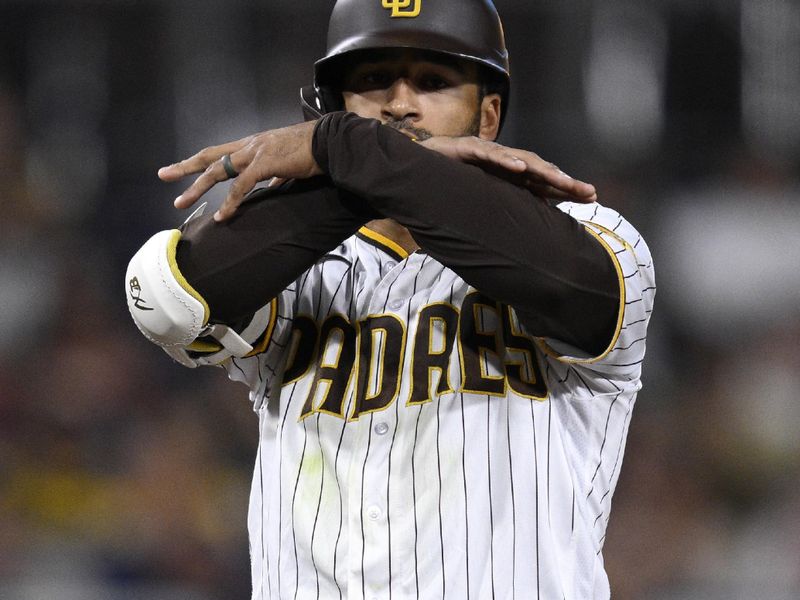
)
(136, 294)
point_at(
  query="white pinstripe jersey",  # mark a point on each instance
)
(416, 443)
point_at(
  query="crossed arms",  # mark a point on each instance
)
(494, 233)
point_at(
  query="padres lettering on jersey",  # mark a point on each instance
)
(372, 350)
(417, 442)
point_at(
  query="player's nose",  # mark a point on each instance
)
(401, 101)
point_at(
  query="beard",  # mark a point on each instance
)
(473, 129)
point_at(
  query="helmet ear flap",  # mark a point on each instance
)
(315, 102)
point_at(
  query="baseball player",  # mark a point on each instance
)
(443, 365)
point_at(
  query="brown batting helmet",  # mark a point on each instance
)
(464, 29)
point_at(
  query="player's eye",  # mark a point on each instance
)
(434, 82)
(375, 79)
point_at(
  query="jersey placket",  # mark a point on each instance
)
(368, 509)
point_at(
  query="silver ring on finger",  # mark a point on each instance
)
(227, 164)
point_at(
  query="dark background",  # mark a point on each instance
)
(123, 475)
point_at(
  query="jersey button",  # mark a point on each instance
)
(395, 304)
(381, 428)
(374, 513)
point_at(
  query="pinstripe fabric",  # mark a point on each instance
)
(463, 495)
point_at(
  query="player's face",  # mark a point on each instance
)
(422, 96)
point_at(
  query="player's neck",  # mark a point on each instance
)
(394, 231)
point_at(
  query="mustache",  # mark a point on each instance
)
(405, 125)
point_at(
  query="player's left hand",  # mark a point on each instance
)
(281, 154)
(521, 167)
(275, 155)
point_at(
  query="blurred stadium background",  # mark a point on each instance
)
(123, 475)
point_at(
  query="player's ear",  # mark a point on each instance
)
(491, 107)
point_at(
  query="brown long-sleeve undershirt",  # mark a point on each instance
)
(498, 237)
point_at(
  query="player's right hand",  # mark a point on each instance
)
(521, 167)
(285, 153)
